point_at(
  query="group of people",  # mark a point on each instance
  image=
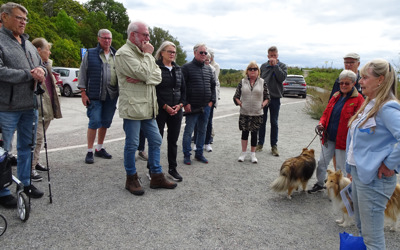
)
(362, 135)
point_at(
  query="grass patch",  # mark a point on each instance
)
(316, 103)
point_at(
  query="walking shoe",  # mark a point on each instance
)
(159, 181)
(40, 167)
(242, 156)
(253, 157)
(316, 188)
(102, 153)
(143, 156)
(274, 151)
(132, 184)
(259, 148)
(208, 148)
(35, 176)
(186, 160)
(89, 158)
(201, 158)
(8, 201)
(194, 147)
(174, 174)
(34, 192)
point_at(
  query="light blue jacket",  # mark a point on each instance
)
(371, 148)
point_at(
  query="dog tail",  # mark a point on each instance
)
(392, 210)
(280, 184)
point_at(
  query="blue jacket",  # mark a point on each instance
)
(371, 148)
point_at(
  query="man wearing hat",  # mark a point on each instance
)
(351, 62)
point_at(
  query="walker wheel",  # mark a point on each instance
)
(3, 225)
(22, 207)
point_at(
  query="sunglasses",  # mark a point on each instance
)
(344, 83)
(252, 69)
(203, 52)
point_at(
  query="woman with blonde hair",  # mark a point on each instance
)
(373, 154)
(252, 96)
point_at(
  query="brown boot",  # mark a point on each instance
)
(133, 184)
(159, 181)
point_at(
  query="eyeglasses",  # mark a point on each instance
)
(349, 62)
(203, 52)
(143, 34)
(252, 69)
(344, 83)
(105, 38)
(20, 18)
(171, 52)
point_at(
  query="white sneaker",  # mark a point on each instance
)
(194, 147)
(253, 157)
(242, 156)
(208, 148)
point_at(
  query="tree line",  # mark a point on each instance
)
(70, 26)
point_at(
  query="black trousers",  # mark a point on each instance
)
(174, 128)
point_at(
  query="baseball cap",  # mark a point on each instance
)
(352, 55)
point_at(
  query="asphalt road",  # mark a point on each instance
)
(221, 205)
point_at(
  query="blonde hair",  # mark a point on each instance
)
(162, 47)
(386, 91)
(252, 64)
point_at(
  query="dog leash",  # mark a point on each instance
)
(317, 133)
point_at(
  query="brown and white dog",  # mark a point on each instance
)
(295, 171)
(336, 182)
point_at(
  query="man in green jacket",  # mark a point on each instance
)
(138, 74)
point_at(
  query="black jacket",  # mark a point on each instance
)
(200, 84)
(171, 90)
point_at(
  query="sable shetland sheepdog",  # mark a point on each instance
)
(336, 182)
(295, 171)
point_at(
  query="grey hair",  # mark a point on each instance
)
(197, 46)
(273, 49)
(8, 7)
(134, 26)
(211, 52)
(348, 74)
(162, 47)
(42, 43)
(103, 31)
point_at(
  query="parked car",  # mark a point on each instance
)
(295, 85)
(59, 82)
(70, 80)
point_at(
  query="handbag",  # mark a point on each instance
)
(350, 242)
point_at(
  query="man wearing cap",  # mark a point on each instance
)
(351, 62)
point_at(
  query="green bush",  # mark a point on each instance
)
(316, 103)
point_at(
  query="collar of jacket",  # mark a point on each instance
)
(134, 47)
(161, 64)
(200, 64)
(353, 94)
(10, 34)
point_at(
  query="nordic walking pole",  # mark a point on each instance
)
(45, 145)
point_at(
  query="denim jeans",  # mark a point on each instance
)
(25, 122)
(154, 140)
(101, 113)
(208, 139)
(201, 119)
(369, 202)
(325, 158)
(274, 106)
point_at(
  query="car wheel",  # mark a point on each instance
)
(67, 91)
(304, 96)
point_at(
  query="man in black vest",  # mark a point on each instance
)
(98, 83)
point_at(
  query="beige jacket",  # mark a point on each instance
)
(137, 101)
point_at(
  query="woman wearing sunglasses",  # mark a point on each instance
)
(333, 123)
(252, 96)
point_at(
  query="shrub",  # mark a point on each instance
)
(316, 103)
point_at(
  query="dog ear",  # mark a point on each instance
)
(329, 171)
(339, 172)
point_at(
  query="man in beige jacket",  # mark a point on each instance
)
(138, 74)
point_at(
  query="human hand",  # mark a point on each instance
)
(172, 110)
(132, 80)
(188, 108)
(265, 103)
(273, 61)
(38, 74)
(147, 47)
(350, 177)
(85, 99)
(383, 170)
(210, 104)
(319, 127)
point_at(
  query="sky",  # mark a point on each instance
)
(307, 33)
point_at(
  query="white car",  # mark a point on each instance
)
(70, 80)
